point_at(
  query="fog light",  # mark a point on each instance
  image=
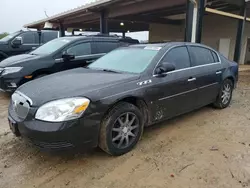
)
(13, 85)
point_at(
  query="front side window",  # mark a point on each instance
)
(132, 60)
(179, 57)
(201, 56)
(28, 38)
(80, 49)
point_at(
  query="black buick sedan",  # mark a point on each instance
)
(109, 103)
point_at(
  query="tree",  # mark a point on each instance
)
(2, 35)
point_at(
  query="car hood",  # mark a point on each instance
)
(3, 43)
(72, 83)
(18, 60)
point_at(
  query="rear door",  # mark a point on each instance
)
(208, 73)
(176, 92)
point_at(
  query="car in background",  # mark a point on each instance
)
(57, 55)
(109, 103)
(24, 41)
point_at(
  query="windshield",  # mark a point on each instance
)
(8, 37)
(132, 60)
(51, 47)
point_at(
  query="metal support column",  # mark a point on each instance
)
(123, 34)
(189, 21)
(62, 30)
(103, 23)
(240, 32)
(200, 16)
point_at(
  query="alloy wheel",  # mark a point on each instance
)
(226, 94)
(125, 130)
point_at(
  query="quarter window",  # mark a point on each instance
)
(215, 56)
(201, 56)
(80, 49)
(179, 57)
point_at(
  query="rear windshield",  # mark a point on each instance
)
(132, 60)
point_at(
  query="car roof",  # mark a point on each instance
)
(167, 44)
(96, 37)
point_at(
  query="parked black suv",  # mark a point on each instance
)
(57, 55)
(24, 41)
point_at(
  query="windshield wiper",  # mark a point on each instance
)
(108, 70)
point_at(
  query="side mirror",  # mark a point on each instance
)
(67, 57)
(164, 68)
(18, 41)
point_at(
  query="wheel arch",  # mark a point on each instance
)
(138, 102)
(231, 78)
(40, 72)
(4, 55)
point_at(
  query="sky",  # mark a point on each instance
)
(16, 13)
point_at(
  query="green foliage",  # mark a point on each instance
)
(2, 35)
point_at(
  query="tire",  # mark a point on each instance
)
(121, 129)
(226, 90)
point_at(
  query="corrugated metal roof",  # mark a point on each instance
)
(72, 11)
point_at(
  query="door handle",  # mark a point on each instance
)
(191, 79)
(89, 61)
(218, 72)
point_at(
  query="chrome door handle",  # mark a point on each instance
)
(218, 72)
(191, 79)
(89, 61)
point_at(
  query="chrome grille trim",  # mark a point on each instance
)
(20, 105)
(26, 97)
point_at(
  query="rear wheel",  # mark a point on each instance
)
(225, 95)
(121, 129)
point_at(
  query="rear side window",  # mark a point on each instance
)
(179, 57)
(80, 49)
(201, 56)
(28, 38)
(105, 47)
(48, 36)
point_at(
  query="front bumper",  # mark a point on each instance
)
(81, 133)
(9, 84)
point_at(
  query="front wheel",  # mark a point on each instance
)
(225, 95)
(121, 129)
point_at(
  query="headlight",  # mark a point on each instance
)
(9, 70)
(62, 110)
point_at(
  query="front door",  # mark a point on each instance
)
(29, 43)
(81, 51)
(175, 93)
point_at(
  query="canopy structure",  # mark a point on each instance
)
(106, 16)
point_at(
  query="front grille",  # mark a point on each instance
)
(21, 105)
(52, 145)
